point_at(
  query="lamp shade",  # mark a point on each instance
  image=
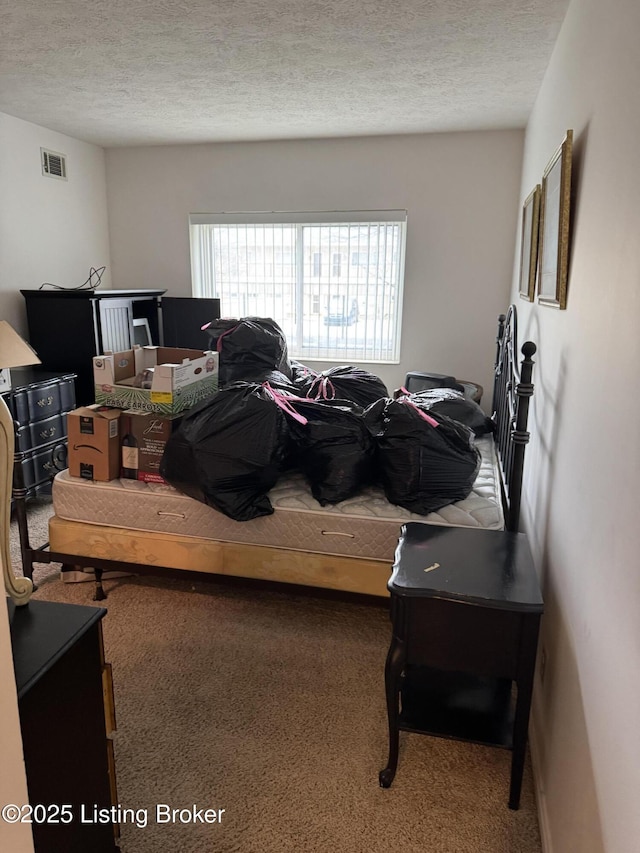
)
(14, 352)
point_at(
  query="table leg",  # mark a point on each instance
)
(99, 594)
(20, 505)
(392, 673)
(524, 683)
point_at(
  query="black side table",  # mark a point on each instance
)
(67, 714)
(465, 611)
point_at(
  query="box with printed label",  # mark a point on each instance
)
(155, 379)
(143, 438)
(94, 443)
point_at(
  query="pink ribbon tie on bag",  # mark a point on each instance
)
(431, 421)
(219, 341)
(325, 388)
(283, 402)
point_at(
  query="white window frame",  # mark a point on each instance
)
(380, 340)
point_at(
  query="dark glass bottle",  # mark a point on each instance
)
(129, 456)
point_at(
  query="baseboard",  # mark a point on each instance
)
(541, 800)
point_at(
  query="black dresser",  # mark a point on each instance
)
(39, 401)
(65, 702)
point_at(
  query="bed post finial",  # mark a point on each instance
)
(524, 387)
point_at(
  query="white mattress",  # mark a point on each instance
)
(365, 526)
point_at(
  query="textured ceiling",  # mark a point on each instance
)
(139, 72)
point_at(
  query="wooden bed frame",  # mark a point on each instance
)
(79, 545)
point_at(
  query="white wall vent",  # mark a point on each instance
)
(54, 164)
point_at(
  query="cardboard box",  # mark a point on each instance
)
(94, 443)
(155, 379)
(143, 436)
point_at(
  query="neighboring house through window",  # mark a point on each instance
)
(288, 266)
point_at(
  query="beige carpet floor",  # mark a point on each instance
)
(270, 705)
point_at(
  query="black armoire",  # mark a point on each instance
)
(67, 328)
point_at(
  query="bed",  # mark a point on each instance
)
(136, 527)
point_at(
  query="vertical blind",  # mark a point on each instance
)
(332, 281)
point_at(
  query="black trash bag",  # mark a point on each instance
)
(276, 380)
(348, 383)
(334, 448)
(230, 451)
(456, 406)
(302, 377)
(424, 460)
(248, 347)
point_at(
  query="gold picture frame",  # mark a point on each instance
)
(529, 244)
(554, 227)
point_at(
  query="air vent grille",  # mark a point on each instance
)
(54, 164)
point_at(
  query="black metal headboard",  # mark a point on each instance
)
(512, 390)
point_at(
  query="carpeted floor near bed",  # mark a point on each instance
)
(270, 705)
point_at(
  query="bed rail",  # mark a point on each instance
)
(512, 391)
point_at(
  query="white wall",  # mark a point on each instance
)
(460, 190)
(50, 230)
(581, 502)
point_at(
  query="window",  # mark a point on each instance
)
(271, 265)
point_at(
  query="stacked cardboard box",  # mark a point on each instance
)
(155, 386)
(107, 443)
(143, 439)
(94, 442)
(156, 379)
(141, 395)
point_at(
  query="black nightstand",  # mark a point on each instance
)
(67, 715)
(465, 610)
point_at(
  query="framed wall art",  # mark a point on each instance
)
(529, 244)
(554, 227)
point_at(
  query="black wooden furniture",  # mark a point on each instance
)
(512, 391)
(465, 611)
(68, 327)
(39, 401)
(183, 318)
(466, 604)
(65, 702)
